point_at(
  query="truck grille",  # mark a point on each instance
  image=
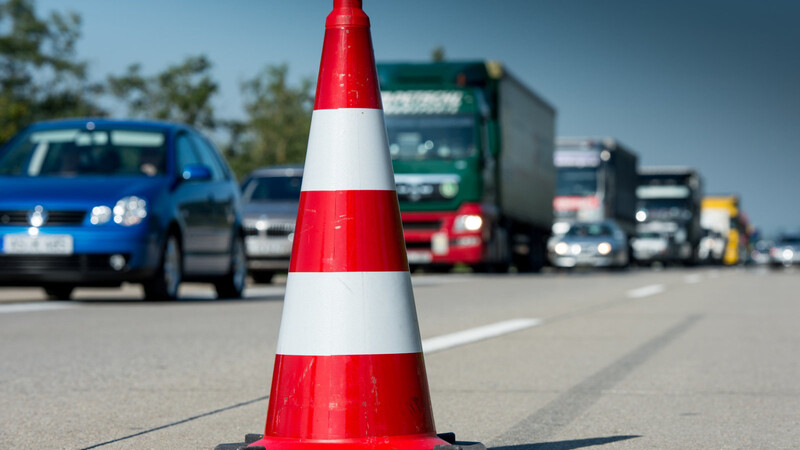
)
(54, 218)
(432, 225)
(425, 245)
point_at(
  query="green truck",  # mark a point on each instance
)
(472, 150)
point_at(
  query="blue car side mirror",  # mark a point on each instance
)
(196, 172)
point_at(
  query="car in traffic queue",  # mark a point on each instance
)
(101, 202)
(786, 251)
(590, 244)
(271, 196)
(652, 247)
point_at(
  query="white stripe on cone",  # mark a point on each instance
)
(348, 150)
(348, 313)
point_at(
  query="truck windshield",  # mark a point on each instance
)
(431, 137)
(576, 181)
(272, 189)
(78, 152)
(664, 203)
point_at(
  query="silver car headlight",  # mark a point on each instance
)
(604, 248)
(561, 248)
(130, 211)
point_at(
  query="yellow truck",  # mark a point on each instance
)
(722, 216)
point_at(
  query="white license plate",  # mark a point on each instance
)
(258, 246)
(418, 257)
(23, 244)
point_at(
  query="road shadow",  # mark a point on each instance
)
(567, 445)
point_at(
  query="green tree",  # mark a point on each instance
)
(40, 76)
(437, 54)
(278, 117)
(181, 93)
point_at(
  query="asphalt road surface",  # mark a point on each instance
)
(704, 358)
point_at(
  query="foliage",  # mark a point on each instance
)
(278, 117)
(180, 93)
(40, 76)
(437, 54)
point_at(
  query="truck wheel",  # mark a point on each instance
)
(165, 283)
(58, 291)
(232, 284)
(533, 261)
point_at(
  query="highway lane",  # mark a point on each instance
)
(703, 358)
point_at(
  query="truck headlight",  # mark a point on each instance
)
(469, 222)
(604, 248)
(100, 215)
(561, 248)
(130, 211)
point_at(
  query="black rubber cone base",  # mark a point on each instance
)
(248, 439)
(450, 438)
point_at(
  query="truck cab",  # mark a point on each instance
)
(471, 149)
(596, 181)
(669, 206)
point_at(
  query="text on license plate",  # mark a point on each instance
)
(23, 244)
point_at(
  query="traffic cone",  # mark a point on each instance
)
(349, 370)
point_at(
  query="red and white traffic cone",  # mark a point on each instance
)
(349, 370)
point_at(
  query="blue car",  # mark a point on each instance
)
(101, 202)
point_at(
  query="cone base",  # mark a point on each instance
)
(444, 441)
(412, 442)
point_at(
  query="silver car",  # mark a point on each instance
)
(786, 251)
(592, 244)
(270, 199)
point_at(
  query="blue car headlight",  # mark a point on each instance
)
(100, 215)
(130, 211)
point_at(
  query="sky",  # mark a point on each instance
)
(712, 84)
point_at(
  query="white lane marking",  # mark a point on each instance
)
(646, 291)
(34, 307)
(693, 278)
(446, 341)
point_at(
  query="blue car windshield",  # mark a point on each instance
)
(79, 152)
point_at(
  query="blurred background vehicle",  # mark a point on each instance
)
(760, 251)
(722, 214)
(101, 202)
(669, 201)
(472, 151)
(270, 197)
(591, 244)
(712, 247)
(650, 247)
(597, 181)
(786, 250)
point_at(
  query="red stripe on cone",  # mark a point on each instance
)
(349, 397)
(347, 74)
(348, 231)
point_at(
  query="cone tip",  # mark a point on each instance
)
(347, 13)
(347, 4)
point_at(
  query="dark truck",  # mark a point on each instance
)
(472, 151)
(597, 181)
(668, 215)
